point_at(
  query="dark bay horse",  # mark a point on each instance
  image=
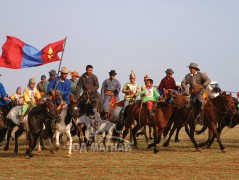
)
(43, 114)
(164, 111)
(215, 109)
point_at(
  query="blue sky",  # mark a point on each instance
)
(147, 36)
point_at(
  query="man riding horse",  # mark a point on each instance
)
(167, 83)
(59, 87)
(88, 85)
(131, 91)
(110, 92)
(149, 96)
(30, 95)
(197, 81)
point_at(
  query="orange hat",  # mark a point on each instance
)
(74, 73)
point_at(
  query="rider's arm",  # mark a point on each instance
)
(103, 88)
(37, 94)
(52, 84)
(96, 84)
(206, 80)
(79, 87)
(184, 85)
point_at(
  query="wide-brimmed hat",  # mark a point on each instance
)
(65, 70)
(112, 73)
(194, 65)
(74, 73)
(169, 71)
(52, 72)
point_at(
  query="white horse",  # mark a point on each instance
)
(67, 115)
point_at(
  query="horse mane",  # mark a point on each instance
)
(37, 109)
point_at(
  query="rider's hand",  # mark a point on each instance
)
(30, 103)
(144, 94)
(53, 92)
(58, 92)
(6, 98)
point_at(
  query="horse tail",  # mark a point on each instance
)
(201, 131)
(3, 132)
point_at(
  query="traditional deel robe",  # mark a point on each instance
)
(63, 86)
(130, 87)
(194, 80)
(29, 95)
(151, 96)
(73, 87)
(113, 86)
(89, 84)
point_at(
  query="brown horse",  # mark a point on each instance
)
(230, 119)
(164, 111)
(215, 109)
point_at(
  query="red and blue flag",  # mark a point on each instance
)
(17, 54)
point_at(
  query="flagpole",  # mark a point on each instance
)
(61, 57)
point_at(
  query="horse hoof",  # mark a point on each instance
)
(176, 140)
(57, 148)
(224, 151)
(166, 144)
(69, 154)
(30, 155)
(6, 148)
(52, 152)
(150, 138)
(16, 151)
(27, 151)
(198, 149)
(156, 151)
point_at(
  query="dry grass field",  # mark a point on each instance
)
(178, 161)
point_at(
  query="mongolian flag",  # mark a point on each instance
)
(17, 54)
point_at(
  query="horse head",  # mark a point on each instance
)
(229, 103)
(178, 100)
(52, 110)
(73, 110)
(90, 105)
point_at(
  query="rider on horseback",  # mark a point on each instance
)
(30, 95)
(59, 87)
(167, 83)
(18, 96)
(110, 92)
(198, 82)
(149, 96)
(131, 91)
(73, 80)
(89, 84)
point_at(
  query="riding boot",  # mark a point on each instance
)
(200, 118)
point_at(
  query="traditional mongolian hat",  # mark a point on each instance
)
(32, 81)
(65, 70)
(112, 73)
(169, 71)
(132, 75)
(194, 65)
(146, 76)
(74, 73)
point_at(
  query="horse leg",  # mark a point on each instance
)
(57, 140)
(210, 137)
(68, 133)
(42, 142)
(192, 129)
(18, 133)
(156, 129)
(49, 139)
(34, 139)
(9, 132)
(177, 124)
(145, 133)
(134, 131)
(219, 130)
(215, 133)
